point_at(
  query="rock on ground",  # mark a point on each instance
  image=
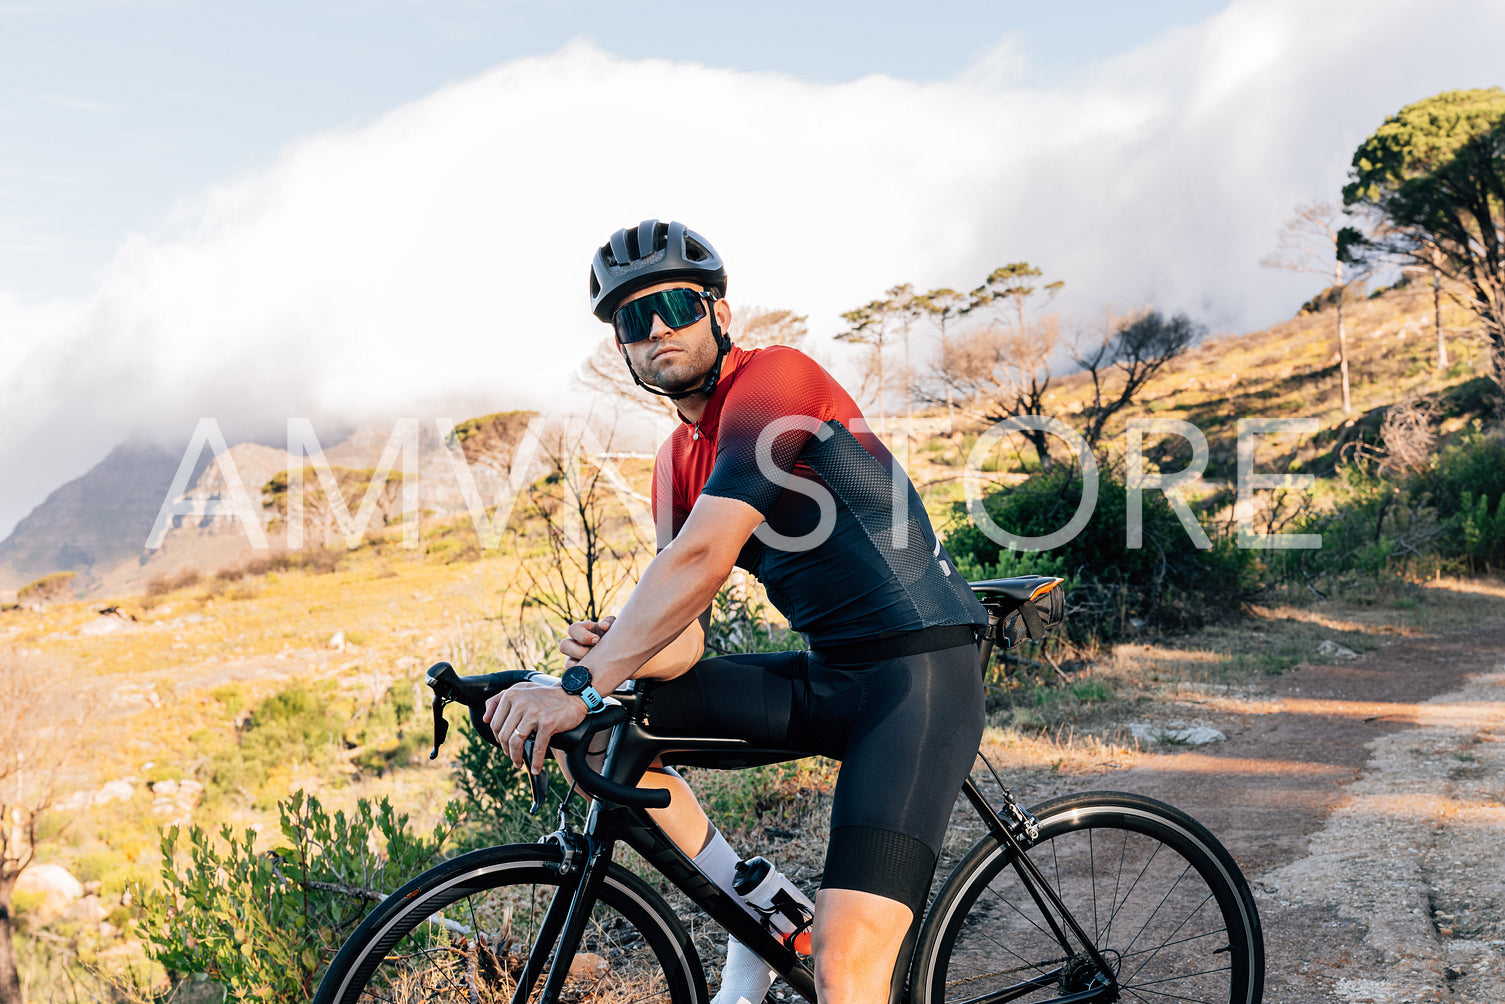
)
(57, 887)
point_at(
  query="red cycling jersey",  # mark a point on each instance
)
(847, 552)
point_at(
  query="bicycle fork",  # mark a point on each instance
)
(1025, 824)
(582, 869)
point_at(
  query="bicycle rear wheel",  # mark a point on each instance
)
(1162, 900)
(461, 932)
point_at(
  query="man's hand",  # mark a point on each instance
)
(582, 637)
(538, 709)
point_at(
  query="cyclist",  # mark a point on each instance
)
(774, 470)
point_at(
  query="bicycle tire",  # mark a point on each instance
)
(428, 941)
(1164, 902)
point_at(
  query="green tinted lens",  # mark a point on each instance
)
(677, 307)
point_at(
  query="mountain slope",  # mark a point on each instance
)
(98, 519)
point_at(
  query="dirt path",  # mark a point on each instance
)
(1366, 802)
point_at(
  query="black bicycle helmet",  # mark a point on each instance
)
(649, 253)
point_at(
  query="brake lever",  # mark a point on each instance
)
(539, 781)
(441, 725)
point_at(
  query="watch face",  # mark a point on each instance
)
(576, 679)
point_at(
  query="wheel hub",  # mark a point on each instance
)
(1081, 973)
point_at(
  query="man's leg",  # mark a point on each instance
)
(745, 978)
(857, 940)
(908, 752)
(683, 820)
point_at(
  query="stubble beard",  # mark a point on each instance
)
(680, 371)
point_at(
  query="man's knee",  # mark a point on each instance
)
(857, 940)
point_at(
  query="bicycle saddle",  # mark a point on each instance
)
(1017, 587)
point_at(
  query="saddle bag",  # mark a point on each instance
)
(1033, 618)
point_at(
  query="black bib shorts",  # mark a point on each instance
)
(905, 729)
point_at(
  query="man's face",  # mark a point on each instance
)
(676, 359)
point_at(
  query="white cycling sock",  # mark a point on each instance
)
(745, 978)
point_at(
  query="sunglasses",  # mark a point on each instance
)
(675, 307)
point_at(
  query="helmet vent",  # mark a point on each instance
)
(653, 251)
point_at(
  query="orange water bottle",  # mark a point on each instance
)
(786, 911)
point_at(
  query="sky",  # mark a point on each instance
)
(357, 212)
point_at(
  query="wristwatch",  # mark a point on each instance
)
(577, 681)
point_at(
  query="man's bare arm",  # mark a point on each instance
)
(676, 589)
(673, 660)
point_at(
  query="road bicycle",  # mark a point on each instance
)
(1094, 897)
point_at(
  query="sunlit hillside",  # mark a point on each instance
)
(1290, 370)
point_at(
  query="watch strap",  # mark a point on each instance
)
(593, 700)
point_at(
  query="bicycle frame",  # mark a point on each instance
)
(588, 852)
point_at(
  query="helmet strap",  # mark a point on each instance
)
(723, 346)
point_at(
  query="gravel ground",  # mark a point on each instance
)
(1364, 803)
(1413, 861)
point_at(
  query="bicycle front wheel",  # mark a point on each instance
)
(461, 932)
(1162, 900)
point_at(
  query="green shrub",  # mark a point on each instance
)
(1011, 562)
(232, 696)
(379, 757)
(1371, 524)
(1467, 485)
(1093, 690)
(1481, 534)
(1383, 524)
(292, 726)
(1474, 464)
(387, 733)
(95, 865)
(47, 588)
(1167, 583)
(740, 623)
(785, 795)
(26, 901)
(265, 924)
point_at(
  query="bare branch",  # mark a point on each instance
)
(1135, 348)
(758, 327)
(42, 734)
(1315, 240)
(592, 545)
(1308, 241)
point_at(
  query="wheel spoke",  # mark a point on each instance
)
(1169, 942)
(1026, 963)
(1183, 941)
(465, 940)
(1138, 877)
(1139, 989)
(1026, 917)
(1153, 913)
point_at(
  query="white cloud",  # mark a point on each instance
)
(435, 260)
